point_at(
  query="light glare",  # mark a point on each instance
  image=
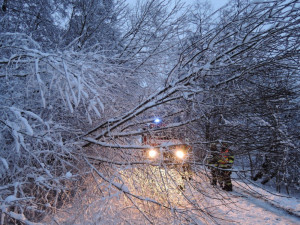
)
(157, 120)
(152, 153)
(179, 154)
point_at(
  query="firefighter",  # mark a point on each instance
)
(268, 170)
(225, 163)
(213, 164)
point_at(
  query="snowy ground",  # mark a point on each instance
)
(200, 203)
(252, 205)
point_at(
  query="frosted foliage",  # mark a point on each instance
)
(78, 101)
(48, 99)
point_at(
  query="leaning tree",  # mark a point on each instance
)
(235, 82)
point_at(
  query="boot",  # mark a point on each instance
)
(213, 182)
(227, 188)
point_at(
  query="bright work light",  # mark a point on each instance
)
(179, 154)
(152, 153)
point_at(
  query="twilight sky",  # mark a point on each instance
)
(215, 3)
(218, 3)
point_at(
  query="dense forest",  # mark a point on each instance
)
(80, 81)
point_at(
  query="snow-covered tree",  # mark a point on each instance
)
(55, 83)
(229, 72)
(76, 95)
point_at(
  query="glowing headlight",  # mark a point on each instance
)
(179, 154)
(152, 153)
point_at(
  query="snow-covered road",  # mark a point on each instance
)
(249, 204)
(199, 203)
(250, 208)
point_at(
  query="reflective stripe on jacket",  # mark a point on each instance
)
(226, 159)
(214, 160)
